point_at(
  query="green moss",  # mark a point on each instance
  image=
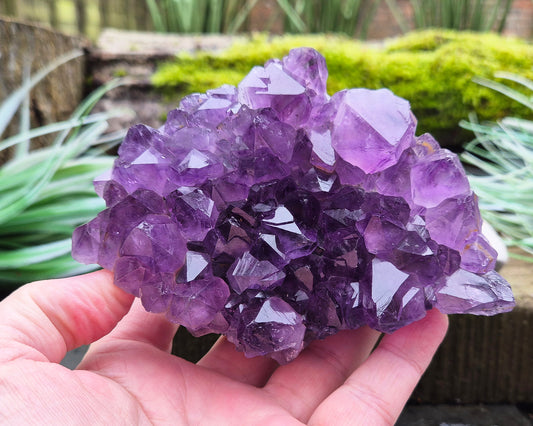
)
(120, 72)
(432, 69)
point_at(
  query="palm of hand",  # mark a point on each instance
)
(129, 376)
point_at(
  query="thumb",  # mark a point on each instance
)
(43, 320)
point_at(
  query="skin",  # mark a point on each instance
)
(129, 376)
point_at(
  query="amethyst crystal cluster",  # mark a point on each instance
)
(276, 214)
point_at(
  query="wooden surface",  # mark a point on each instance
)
(519, 273)
(487, 359)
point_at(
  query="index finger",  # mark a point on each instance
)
(377, 391)
(43, 320)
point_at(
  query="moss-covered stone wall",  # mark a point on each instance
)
(434, 70)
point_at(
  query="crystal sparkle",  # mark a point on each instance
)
(276, 214)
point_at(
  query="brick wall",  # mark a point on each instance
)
(520, 19)
(267, 17)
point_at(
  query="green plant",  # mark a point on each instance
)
(46, 193)
(432, 69)
(472, 15)
(349, 17)
(503, 153)
(199, 16)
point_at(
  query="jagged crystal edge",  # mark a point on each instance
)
(276, 215)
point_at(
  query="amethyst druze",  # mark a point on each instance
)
(276, 214)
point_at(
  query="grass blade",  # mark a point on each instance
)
(23, 147)
(241, 16)
(505, 90)
(11, 104)
(292, 15)
(155, 14)
(54, 128)
(59, 267)
(19, 258)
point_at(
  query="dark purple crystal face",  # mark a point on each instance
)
(276, 215)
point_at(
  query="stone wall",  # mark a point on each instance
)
(30, 46)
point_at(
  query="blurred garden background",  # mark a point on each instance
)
(465, 65)
(68, 95)
(373, 19)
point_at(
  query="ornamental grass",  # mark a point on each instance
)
(503, 153)
(45, 193)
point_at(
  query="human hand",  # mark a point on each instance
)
(129, 376)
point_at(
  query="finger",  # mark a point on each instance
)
(376, 392)
(142, 327)
(225, 359)
(45, 319)
(320, 369)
